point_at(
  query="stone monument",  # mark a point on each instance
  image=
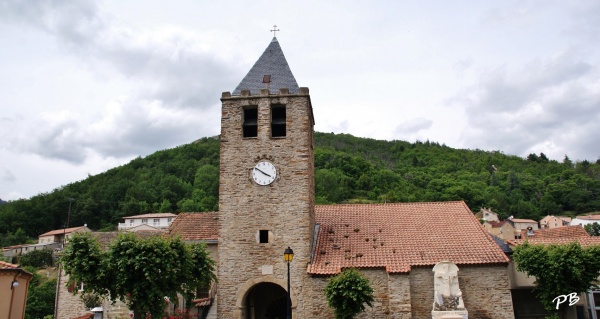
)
(448, 302)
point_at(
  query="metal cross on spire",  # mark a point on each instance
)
(275, 30)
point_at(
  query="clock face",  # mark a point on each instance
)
(264, 173)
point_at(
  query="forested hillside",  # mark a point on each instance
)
(347, 169)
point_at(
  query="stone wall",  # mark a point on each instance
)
(485, 290)
(400, 303)
(391, 292)
(68, 305)
(486, 294)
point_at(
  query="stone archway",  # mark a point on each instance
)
(266, 301)
(263, 298)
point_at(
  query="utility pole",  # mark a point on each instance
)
(67, 224)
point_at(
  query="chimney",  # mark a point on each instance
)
(530, 231)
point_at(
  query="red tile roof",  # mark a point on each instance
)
(399, 236)
(61, 231)
(86, 316)
(196, 226)
(496, 224)
(589, 217)
(559, 232)
(156, 215)
(5, 265)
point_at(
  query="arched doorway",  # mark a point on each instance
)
(266, 300)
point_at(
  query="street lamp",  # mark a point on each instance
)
(288, 255)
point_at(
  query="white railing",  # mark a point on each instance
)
(162, 225)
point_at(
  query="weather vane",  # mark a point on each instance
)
(275, 30)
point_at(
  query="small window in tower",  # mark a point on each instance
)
(263, 236)
(278, 120)
(250, 126)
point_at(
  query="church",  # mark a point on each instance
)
(267, 204)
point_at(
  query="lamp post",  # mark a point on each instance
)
(288, 255)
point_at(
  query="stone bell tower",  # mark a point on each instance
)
(266, 191)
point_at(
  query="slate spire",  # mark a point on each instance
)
(271, 63)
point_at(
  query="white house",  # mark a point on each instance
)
(585, 219)
(158, 220)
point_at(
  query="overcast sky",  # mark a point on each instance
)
(89, 85)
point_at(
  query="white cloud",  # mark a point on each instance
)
(549, 106)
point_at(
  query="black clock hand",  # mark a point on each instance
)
(262, 172)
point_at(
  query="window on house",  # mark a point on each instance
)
(169, 220)
(278, 120)
(130, 222)
(263, 236)
(203, 292)
(593, 304)
(144, 221)
(156, 221)
(250, 126)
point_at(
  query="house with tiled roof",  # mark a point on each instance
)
(522, 224)
(502, 229)
(14, 286)
(551, 221)
(59, 235)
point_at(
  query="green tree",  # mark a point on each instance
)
(16, 238)
(140, 272)
(165, 206)
(40, 298)
(347, 293)
(37, 258)
(558, 270)
(593, 229)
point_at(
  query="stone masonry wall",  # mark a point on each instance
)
(378, 279)
(69, 305)
(485, 289)
(399, 295)
(285, 208)
(391, 292)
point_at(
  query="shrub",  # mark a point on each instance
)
(37, 258)
(347, 293)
